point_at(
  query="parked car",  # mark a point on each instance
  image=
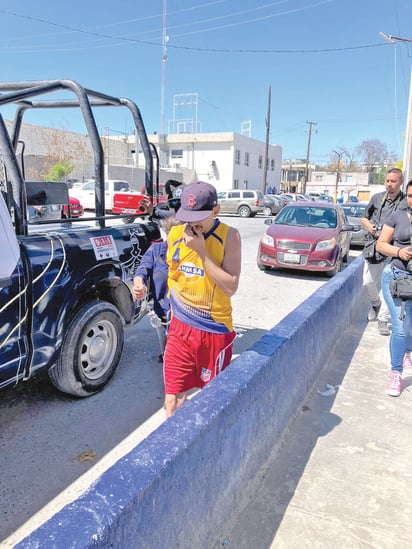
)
(273, 204)
(295, 196)
(325, 197)
(243, 202)
(307, 236)
(87, 192)
(283, 199)
(76, 209)
(354, 212)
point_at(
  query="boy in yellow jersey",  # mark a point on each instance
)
(204, 258)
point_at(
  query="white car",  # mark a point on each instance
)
(87, 192)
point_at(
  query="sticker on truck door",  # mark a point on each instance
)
(104, 247)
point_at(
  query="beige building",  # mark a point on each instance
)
(227, 160)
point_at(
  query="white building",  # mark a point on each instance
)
(227, 160)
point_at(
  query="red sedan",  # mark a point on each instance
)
(76, 209)
(309, 236)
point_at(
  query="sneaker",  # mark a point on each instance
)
(407, 364)
(373, 313)
(383, 328)
(395, 385)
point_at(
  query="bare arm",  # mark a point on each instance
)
(368, 225)
(384, 246)
(226, 276)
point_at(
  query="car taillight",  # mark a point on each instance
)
(257, 203)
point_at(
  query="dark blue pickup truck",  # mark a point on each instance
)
(65, 286)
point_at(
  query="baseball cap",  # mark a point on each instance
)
(197, 202)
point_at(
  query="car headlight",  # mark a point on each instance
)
(268, 240)
(325, 245)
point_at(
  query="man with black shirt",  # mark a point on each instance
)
(376, 213)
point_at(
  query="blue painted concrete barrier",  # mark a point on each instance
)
(180, 485)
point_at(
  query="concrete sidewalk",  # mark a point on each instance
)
(342, 477)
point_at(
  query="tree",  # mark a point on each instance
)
(59, 172)
(373, 153)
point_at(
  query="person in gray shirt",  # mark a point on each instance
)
(380, 206)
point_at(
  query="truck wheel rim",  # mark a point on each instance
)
(98, 349)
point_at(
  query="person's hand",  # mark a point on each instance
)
(405, 253)
(139, 289)
(146, 204)
(194, 239)
(372, 230)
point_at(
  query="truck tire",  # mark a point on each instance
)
(90, 351)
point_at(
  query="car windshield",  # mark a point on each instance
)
(354, 210)
(307, 217)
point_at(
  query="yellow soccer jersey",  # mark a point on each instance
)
(195, 299)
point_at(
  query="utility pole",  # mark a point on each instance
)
(310, 131)
(165, 39)
(407, 150)
(265, 162)
(339, 157)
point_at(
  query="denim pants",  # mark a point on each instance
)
(401, 335)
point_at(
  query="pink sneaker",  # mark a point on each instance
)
(395, 385)
(407, 364)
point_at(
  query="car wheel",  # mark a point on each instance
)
(244, 211)
(262, 267)
(91, 350)
(338, 266)
(267, 211)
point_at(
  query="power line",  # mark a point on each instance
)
(189, 48)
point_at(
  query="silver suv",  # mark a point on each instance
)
(243, 202)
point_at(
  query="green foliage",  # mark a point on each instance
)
(59, 171)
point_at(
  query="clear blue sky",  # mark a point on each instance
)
(324, 60)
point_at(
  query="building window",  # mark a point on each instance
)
(245, 183)
(272, 165)
(246, 159)
(176, 153)
(260, 162)
(236, 183)
(237, 156)
(318, 177)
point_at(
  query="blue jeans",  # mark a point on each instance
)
(401, 335)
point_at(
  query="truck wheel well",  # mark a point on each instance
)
(116, 292)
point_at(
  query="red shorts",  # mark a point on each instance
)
(193, 357)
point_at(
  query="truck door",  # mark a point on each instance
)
(13, 303)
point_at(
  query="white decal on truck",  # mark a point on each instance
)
(104, 247)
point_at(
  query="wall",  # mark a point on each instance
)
(183, 482)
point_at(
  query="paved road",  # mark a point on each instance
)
(48, 440)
